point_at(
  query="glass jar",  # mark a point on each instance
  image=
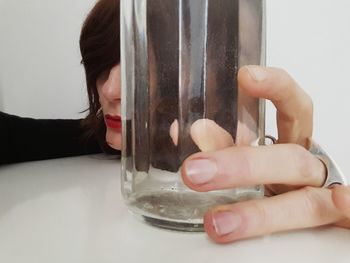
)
(179, 62)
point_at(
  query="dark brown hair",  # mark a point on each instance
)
(100, 51)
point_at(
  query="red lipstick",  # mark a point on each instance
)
(113, 122)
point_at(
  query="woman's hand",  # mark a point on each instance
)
(291, 174)
(341, 200)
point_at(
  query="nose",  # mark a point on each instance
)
(111, 88)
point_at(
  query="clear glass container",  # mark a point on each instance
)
(179, 61)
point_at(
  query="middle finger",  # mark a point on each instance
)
(243, 166)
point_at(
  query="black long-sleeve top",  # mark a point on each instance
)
(27, 139)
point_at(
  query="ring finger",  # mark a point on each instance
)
(308, 207)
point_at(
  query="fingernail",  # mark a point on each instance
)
(201, 171)
(257, 73)
(226, 222)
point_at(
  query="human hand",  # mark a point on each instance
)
(341, 200)
(291, 174)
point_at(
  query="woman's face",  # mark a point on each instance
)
(108, 87)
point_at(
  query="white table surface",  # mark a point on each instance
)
(71, 210)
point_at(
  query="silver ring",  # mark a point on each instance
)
(334, 175)
(271, 138)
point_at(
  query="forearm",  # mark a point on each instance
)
(27, 139)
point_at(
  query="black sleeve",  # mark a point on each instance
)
(27, 139)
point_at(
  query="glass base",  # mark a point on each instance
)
(184, 211)
(172, 225)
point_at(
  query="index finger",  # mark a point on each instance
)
(294, 106)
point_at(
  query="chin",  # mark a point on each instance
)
(113, 139)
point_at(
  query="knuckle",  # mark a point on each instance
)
(282, 72)
(304, 163)
(288, 80)
(262, 215)
(289, 86)
(306, 105)
(247, 165)
(314, 204)
(235, 166)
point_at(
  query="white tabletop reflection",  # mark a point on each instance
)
(71, 210)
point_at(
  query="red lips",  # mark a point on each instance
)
(113, 122)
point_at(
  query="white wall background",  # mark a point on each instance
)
(311, 39)
(41, 75)
(40, 71)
